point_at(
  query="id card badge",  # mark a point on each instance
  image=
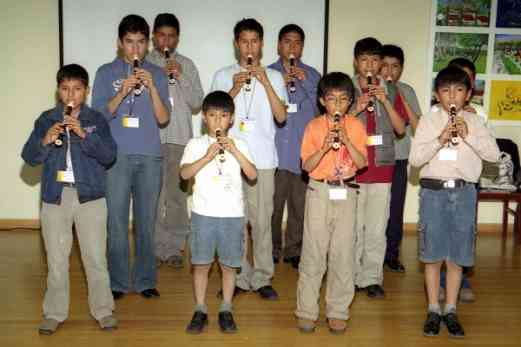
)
(337, 193)
(292, 108)
(224, 181)
(375, 140)
(246, 125)
(130, 121)
(448, 154)
(65, 176)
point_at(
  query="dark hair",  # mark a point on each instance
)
(335, 81)
(368, 45)
(133, 24)
(166, 20)
(220, 100)
(452, 75)
(393, 51)
(248, 24)
(292, 28)
(72, 72)
(463, 63)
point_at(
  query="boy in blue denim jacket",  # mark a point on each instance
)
(75, 146)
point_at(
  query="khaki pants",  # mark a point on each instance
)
(259, 209)
(172, 223)
(328, 244)
(90, 219)
(371, 242)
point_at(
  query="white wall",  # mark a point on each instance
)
(29, 31)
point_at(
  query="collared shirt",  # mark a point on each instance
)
(254, 122)
(288, 138)
(334, 165)
(477, 146)
(402, 145)
(186, 97)
(144, 139)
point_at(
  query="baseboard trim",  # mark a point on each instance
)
(22, 224)
(31, 224)
(483, 227)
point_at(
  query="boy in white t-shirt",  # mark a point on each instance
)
(216, 162)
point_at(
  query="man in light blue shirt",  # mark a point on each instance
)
(260, 95)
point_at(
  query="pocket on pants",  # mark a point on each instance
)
(422, 240)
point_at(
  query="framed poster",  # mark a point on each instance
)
(505, 101)
(488, 33)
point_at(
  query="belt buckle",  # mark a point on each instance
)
(449, 184)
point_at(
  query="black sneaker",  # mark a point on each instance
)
(432, 324)
(295, 261)
(453, 325)
(395, 266)
(268, 293)
(236, 292)
(226, 322)
(150, 293)
(117, 294)
(198, 322)
(375, 291)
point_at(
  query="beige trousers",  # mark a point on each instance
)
(371, 222)
(328, 245)
(259, 208)
(90, 219)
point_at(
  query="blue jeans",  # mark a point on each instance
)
(139, 177)
(221, 235)
(447, 225)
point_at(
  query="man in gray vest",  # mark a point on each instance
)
(186, 97)
(384, 121)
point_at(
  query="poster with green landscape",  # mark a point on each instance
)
(448, 46)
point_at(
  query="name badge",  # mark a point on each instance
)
(224, 181)
(130, 122)
(246, 125)
(337, 194)
(65, 176)
(448, 154)
(375, 140)
(292, 108)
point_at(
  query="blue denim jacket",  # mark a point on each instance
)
(90, 156)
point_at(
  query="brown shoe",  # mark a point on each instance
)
(48, 326)
(306, 325)
(336, 326)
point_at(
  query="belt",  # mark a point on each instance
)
(69, 185)
(337, 183)
(434, 184)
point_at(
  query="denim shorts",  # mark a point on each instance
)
(447, 226)
(217, 236)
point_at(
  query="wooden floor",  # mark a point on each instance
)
(493, 320)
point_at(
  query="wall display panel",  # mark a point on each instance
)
(488, 33)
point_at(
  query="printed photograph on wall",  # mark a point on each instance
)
(508, 14)
(505, 100)
(448, 46)
(507, 54)
(466, 13)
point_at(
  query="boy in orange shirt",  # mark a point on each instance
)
(333, 149)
